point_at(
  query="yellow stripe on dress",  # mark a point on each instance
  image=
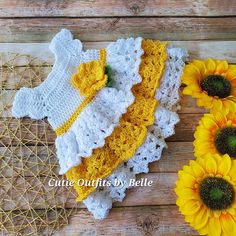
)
(89, 79)
(131, 133)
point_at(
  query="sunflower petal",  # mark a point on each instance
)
(232, 172)
(201, 67)
(211, 166)
(229, 105)
(224, 165)
(190, 208)
(181, 201)
(187, 169)
(222, 67)
(197, 169)
(211, 66)
(187, 179)
(209, 123)
(190, 74)
(214, 227)
(228, 224)
(186, 193)
(201, 218)
(220, 118)
(231, 73)
(217, 103)
(187, 91)
(204, 230)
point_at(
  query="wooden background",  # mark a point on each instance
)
(207, 28)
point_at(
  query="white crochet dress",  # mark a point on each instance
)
(57, 99)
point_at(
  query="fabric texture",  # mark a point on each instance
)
(131, 133)
(100, 202)
(107, 132)
(88, 80)
(57, 99)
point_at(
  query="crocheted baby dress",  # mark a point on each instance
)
(75, 98)
(110, 108)
(132, 132)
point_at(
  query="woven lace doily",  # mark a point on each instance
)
(28, 206)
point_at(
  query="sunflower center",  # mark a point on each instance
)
(216, 193)
(225, 141)
(216, 85)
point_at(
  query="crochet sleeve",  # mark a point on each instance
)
(33, 102)
(28, 102)
(63, 45)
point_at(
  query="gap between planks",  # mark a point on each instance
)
(197, 49)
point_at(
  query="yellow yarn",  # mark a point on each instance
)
(89, 79)
(67, 124)
(90, 76)
(131, 133)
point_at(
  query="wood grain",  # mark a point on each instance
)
(105, 8)
(128, 221)
(154, 220)
(102, 29)
(185, 129)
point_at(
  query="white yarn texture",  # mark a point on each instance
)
(98, 120)
(100, 202)
(57, 99)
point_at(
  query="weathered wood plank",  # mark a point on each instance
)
(197, 50)
(12, 130)
(160, 193)
(101, 8)
(40, 160)
(101, 29)
(185, 129)
(154, 220)
(188, 105)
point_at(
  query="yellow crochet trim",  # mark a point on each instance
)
(91, 76)
(67, 124)
(89, 79)
(131, 133)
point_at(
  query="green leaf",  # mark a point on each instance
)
(108, 72)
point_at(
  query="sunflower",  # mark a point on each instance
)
(216, 133)
(206, 194)
(212, 83)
